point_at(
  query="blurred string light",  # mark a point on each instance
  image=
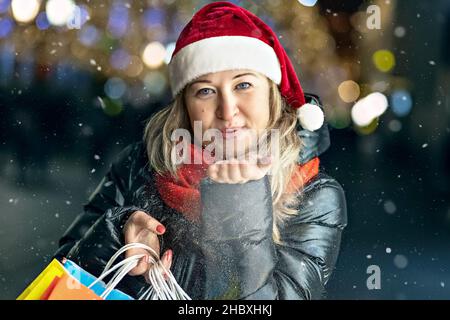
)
(339, 117)
(135, 67)
(395, 125)
(110, 107)
(154, 55)
(120, 59)
(4, 5)
(308, 3)
(6, 26)
(42, 22)
(25, 10)
(153, 18)
(118, 20)
(349, 91)
(155, 83)
(60, 12)
(368, 129)
(89, 35)
(384, 60)
(399, 31)
(401, 102)
(112, 39)
(366, 110)
(81, 16)
(115, 88)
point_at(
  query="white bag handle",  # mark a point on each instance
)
(159, 289)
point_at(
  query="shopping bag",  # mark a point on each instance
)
(69, 288)
(88, 279)
(37, 288)
(52, 285)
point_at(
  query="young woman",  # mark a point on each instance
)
(226, 228)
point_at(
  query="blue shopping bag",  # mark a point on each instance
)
(87, 279)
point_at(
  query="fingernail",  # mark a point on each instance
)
(160, 229)
(169, 255)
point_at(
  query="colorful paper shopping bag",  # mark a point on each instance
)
(37, 288)
(87, 279)
(69, 288)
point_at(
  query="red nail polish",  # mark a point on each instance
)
(160, 229)
(169, 255)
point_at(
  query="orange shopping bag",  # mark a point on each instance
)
(69, 288)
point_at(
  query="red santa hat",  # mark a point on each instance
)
(223, 36)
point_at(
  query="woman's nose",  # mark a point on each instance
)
(227, 108)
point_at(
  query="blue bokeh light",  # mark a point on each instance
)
(401, 102)
(120, 59)
(4, 5)
(6, 26)
(115, 88)
(42, 22)
(118, 20)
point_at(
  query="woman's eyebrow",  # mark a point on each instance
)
(236, 76)
(245, 74)
(198, 81)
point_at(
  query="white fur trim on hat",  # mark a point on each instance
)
(220, 54)
(311, 116)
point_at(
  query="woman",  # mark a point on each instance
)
(264, 229)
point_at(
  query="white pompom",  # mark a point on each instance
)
(311, 116)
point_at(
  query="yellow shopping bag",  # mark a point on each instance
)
(37, 288)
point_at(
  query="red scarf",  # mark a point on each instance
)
(183, 194)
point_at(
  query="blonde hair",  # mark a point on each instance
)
(159, 128)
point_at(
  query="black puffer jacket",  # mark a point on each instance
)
(230, 254)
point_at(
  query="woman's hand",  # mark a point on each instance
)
(236, 171)
(142, 228)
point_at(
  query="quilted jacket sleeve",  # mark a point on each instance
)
(242, 260)
(111, 192)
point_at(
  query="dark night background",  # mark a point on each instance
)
(57, 140)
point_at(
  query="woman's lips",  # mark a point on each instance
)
(230, 133)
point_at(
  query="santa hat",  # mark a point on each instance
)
(223, 36)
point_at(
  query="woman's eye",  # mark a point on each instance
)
(243, 85)
(204, 91)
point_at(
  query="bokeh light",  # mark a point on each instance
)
(42, 22)
(154, 17)
(401, 102)
(308, 3)
(89, 35)
(349, 91)
(369, 108)
(384, 60)
(120, 59)
(369, 128)
(4, 5)
(110, 107)
(115, 88)
(118, 20)
(155, 83)
(135, 67)
(60, 12)
(25, 10)
(154, 54)
(6, 26)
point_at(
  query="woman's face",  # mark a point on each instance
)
(236, 102)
